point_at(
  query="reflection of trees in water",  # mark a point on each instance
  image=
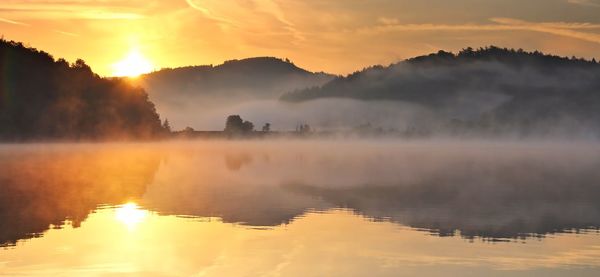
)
(208, 187)
(504, 192)
(507, 194)
(43, 188)
(517, 200)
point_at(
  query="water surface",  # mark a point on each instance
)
(300, 208)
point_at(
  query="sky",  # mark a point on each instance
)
(335, 36)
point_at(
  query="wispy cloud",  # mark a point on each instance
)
(272, 8)
(576, 30)
(254, 16)
(100, 14)
(589, 3)
(226, 11)
(66, 33)
(224, 21)
(565, 29)
(65, 9)
(4, 20)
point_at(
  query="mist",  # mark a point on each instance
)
(485, 93)
(326, 114)
(475, 188)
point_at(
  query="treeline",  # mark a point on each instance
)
(445, 72)
(44, 98)
(490, 89)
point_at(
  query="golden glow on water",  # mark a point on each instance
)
(130, 215)
(334, 243)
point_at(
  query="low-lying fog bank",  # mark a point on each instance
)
(381, 118)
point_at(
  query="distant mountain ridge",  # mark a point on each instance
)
(182, 94)
(255, 77)
(492, 89)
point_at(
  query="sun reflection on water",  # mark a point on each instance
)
(130, 214)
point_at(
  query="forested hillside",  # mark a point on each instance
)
(490, 89)
(43, 98)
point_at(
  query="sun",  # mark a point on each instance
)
(135, 64)
(130, 214)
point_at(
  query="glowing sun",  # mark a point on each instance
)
(130, 214)
(135, 64)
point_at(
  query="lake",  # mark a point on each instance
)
(301, 208)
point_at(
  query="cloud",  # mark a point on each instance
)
(71, 9)
(100, 14)
(556, 25)
(588, 3)
(565, 29)
(66, 33)
(224, 21)
(249, 17)
(576, 30)
(255, 16)
(388, 21)
(4, 20)
(226, 11)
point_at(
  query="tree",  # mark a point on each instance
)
(44, 98)
(235, 124)
(247, 127)
(166, 125)
(304, 128)
(80, 64)
(467, 52)
(266, 127)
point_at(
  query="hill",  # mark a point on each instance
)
(43, 98)
(184, 95)
(491, 89)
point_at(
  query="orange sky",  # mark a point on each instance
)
(337, 36)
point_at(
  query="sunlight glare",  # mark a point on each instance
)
(130, 214)
(135, 64)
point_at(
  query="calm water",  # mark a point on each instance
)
(300, 208)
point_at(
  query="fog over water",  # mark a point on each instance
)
(486, 189)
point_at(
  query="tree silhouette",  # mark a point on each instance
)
(247, 127)
(236, 125)
(267, 127)
(43, 98)
(166, 125)
(303, 128)
(188, 130)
